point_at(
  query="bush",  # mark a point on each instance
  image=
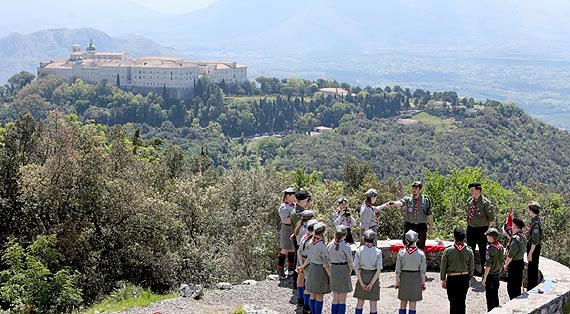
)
(29, 286)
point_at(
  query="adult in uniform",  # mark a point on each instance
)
(343, 216)
(410, 273)
(318, 277)
(286, 210)
(534, 243)
(368, 213)
(457, 266)
(493, 267)
(341, 264)
(515, 259)
(418, 215)
(480, 217)
(368, 265)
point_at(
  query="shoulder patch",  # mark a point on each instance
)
(536, 230)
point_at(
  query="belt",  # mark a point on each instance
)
(343, 263)
(304, 256)
(287, 224)
(417, 223)
(410, 271)
(458, 274)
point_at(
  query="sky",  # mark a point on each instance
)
(174, 6)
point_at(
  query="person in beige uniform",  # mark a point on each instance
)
(340, 263)
(300, 231)
(457, 266)
(286, 210)
(368, 214)
(368, 265)
(318, 277)
(515, 259)
(410, 273)
(303, 268)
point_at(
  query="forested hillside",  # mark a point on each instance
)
(99, 186)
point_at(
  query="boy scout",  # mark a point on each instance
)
(514, 262)
(480, 217)
(457, 266)
(493, 268)
(418, 213)
(286, 210)
(534, 244)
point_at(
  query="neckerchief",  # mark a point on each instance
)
(369, 245)
(460, 246)
(473, 209)
(317, 240)
(411, 249)
(416, 205)
(497, 245)
(334, 241)
(306, 236)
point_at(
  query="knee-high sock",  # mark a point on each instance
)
(402, 311)
(291, 260)
(358, 311)
(281, 260)
(306, 298)
(301, 292)
(412, 311)
(334, 309)
(342, 308)
(312, 305)
(318, 307)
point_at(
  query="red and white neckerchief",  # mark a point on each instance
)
(335, 242)
(317, 240)
(286, 202)
(306, 236)
(497, 245)
(416, 205)
(460, 246)
(411, 249)
(369, 245)
(473, 209)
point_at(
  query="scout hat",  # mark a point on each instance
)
(411, 236)
(417, 184)
(289, 191)
(492, 232)
(371, 193)
(320, 227)
(342, 200)
(311, 223)
(341, 230)
(369, 235)
(307, 213)
(302, 195)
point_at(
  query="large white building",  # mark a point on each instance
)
(173, 75)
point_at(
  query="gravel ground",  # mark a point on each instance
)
(275, 296)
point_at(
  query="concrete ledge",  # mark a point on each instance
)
(551, 301)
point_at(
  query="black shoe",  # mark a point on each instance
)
(300, 302)
(281, 273)
(306, 309)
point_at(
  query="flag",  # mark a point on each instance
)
(508, 226)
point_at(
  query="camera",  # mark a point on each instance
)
(346, 212)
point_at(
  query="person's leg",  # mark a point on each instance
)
(281, 262)
(489, 294)
(413, 305)
(373, 307)
(471, 238)
(495, 282)
(342, 302)
(334, 305)
(319, 303)
(407, 227)
(403, 306)
(359, 306)
(463, 288)
(532, 274)
(421, 229)
(312, 302)
(482, 243)
(349, 239)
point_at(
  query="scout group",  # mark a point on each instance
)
(319, 268)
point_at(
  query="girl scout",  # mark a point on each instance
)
(367, 264)
(303, 231)
(410, 273)
(340, 262)
(318, 276)
(368, 212)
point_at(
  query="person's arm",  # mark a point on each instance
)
(394, 203)
(352, 220)
(398, 270)
(366, 217)
(490, 214)
(487, 270)
(423, 279)
(443, 270)
(430, 221)
(337, 218)
(507, 262)
(376, 275)
(529, 257)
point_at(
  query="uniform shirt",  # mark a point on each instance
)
(285, 211)
(367, 216)
(296, 214)
(535, 231)
(483, 212)
(302, 230)
(347, 221)
(457, 258)
(368, 258)
(411, 259)
(306, 240)
(423, 208)
(517, 247)
(495, 258)
(343, 255)
(318, 252)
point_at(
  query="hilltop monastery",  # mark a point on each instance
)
(172, 75)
